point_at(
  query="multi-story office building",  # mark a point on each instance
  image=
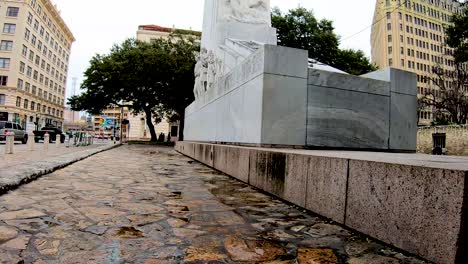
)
(35, 48)
(409, 35)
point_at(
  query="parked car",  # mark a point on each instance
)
(53, 134)
(20, 133)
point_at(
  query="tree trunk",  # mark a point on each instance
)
(182, 125)
(149, 123)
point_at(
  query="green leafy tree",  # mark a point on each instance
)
(152, 78)
(300, 29)
(353, 62)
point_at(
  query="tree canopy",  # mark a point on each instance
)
(300, 29)
(154, 78)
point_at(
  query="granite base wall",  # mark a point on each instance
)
(410, 201)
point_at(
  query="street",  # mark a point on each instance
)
(142, 204)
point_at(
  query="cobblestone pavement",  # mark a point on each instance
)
(141, 204)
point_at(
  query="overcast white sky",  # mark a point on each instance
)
(98, 24)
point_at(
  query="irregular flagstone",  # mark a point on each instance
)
(19, 243)
(204, 255)
(159, 208)
(372, 258)
(252, 250)
(7, 233)
(21, 214)
(47, 247)
(317, 256)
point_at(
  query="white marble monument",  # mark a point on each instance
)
(250, 91)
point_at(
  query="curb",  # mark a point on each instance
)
(26, 174)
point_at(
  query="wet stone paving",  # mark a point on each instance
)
(143, 204)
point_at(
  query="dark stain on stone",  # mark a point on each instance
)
(130, 231)
(276, 172)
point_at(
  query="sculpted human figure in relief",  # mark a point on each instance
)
(248, 11)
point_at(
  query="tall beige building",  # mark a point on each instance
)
(409, 35)
(34, 54)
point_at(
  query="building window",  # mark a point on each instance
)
(6, 45)
(4, 63)
(2, 99)
(389, 38)
(34, 89)
(27, 33)
(36, 25)
(24, 52)
(12, 11)
(20, 85)
(390, 62)
(18, 101)
(26, 104)
(389, 26)
(390, 50)
(30, 18)
(29, 71)
(3, 80)
(22, 67)
(9, 28)
(33, 105)
(389, 15)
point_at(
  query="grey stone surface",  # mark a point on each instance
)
(285, 61)
(412, 201)
(11, 178)
(347, 119)
(268, 171)
(326, 187)
(403, 122)
(284, 110)
(415, 208)
(232, 161)
(295, 185)
(348, 82)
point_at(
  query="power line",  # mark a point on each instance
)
(383, 17)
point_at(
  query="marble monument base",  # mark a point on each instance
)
(274, 98)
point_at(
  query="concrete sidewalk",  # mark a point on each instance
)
(25, 166)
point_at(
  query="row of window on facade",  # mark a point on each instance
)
(14, 12)
(418, 21)
(33, 106)
(427, 10)
(39, 92)
(420, 44)
(41, 78)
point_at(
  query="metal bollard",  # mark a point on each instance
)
(9, 142)
(46, 141)
(31, 141)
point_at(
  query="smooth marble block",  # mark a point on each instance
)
(347, 119)
(284, 110)
(403, 122)
(348, 82)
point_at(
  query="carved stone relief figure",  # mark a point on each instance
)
(248, 11)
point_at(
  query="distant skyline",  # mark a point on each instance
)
(97, 25)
